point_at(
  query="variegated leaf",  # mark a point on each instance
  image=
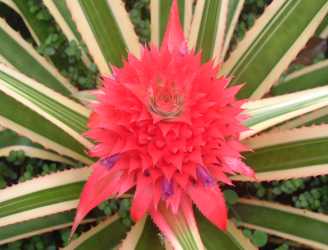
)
(37, 226)
(213, 238)
(309, 77)
(288, 154)
(290, 223)
(234, 10)
(273, 43)
(42, 196)
(10, 141)
(43, 115)
(58, 9)
(106, 235)
(106, 30)
(208, 28)
(322, 31)
(13, 46)
(38, 30)
(269, 112)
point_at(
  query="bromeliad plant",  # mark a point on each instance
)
(166, 127)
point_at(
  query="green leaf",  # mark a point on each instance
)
(28, 228)
(55, 195)
(309, 77)
(276, 38)
(62, 16)
(269, 112)
(208, 28)
(13, 46)
(322, 30)
(10, 141)
(42, 196)
(39, 30)
(64, 20)
(86, 97)
(8, 138)
(316, 117)
(289, 154)
(106, 235)
(230, 196)
(149, 239)
(298, 225)
(106, 30)
(42, 27)
(160, 9)
(62, 114)
(143, 235)
(214, 238)
(234, 10)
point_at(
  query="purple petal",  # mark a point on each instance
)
(110, 161)
(204, 176)
(167, 188)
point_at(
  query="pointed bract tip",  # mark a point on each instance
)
(174, 39)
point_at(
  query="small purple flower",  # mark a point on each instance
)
(167, 188)
(204, 176)
(110, 161)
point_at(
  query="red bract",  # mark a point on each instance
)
(166, 125)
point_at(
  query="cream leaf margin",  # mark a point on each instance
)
(133, 236)
(65, 27)
(231, 28)
(49, 93)
(45, 142)
(36, 153)
(45, 182)
(11, 4)
(288, 209)
(76, 243)
(41, 60)
(87, 35)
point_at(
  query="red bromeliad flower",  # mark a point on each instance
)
(166, 125)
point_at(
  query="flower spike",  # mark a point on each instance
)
(167, 128)
(174, 38)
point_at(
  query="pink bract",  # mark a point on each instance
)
(168, 127)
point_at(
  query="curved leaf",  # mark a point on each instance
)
(106, 30)
(61, 14)
(316, 117)
(289, 154)
(26, 229)
(106, 235)
(140, 237)
(39, 22)
(43, 191)
(13, 46)
(234, 10)
(214, 239)
(322, 30)
(39, 30)
(62, 114)
(208, 28)
(269, 112)
(298, 225)
(30, 206)
(10, 141)
(309, 77)
(276, 38)
(150, 238)
(86, 97)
